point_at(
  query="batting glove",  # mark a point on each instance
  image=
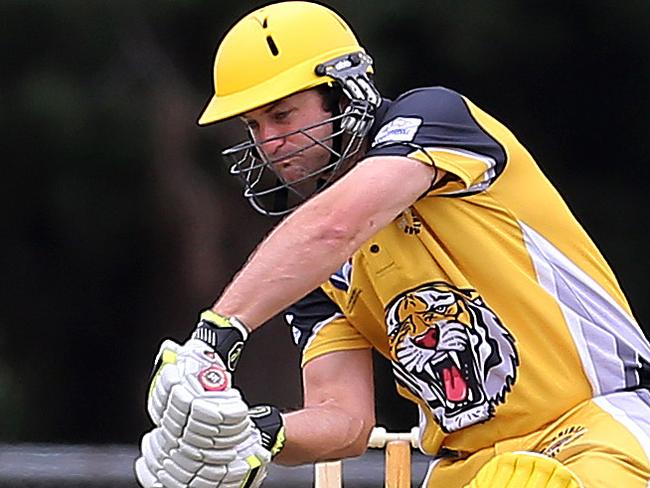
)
(200, 418)
(211, 451)
(204, 363)
(249, 468)
(196, 440)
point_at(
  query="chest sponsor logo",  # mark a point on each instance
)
(400, 129)
(450, 349)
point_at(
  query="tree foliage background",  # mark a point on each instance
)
(121, 223)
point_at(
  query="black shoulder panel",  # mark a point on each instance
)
(306, 315)
(431, 117)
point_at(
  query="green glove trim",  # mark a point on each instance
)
(269, 422)
(165, 356)
(226, 335)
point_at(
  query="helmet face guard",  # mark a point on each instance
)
(265, 188)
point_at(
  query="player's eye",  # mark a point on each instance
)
(282, 115)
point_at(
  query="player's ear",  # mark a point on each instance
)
(343, 102)
(332, 97)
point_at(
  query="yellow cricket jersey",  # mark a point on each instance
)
(496, 310)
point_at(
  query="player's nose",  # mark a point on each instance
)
(270, 139)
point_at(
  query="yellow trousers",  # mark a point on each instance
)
(605, 441)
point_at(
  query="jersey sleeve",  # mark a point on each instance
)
(436, 126)
(319, 327)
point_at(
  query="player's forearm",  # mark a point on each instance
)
(323, 433)
(312, 243)
(298, 256)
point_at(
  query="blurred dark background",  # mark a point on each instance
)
(121, 223)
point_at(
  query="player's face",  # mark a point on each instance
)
(293, 155)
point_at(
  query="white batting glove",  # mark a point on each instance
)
(181, 466)
(195, 367)
(246, 466)
(195, 441)
(200, 363)
(212, 450)
(200, 417)
(249, 468)
(203, 455)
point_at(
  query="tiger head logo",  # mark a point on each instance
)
(450, 349)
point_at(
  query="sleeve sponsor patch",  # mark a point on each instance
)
(400, 129)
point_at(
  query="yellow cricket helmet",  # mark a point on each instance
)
(272, 53)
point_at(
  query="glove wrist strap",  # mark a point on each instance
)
(226, 335)
(223, 321)
(269, 422)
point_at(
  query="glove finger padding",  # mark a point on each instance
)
(194, 365)
(241, 466)
(184, 445)
(175, 415)
(144, 475)
(164, 377)
(251, 466)
(216, 420)
(208, 456)
(152, 451)
(203, 442)
(204, 362)
(199, 417)
(207, 475)
(210, 430)
(178, 472)
(189, 398)
(226, 407)
(154, 447)
(186, 466)
(255, 451)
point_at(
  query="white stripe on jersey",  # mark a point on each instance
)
(488, 175)
(318, 326)
(608, 339)
(631, 411)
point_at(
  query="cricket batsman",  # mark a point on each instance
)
(420, 227)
